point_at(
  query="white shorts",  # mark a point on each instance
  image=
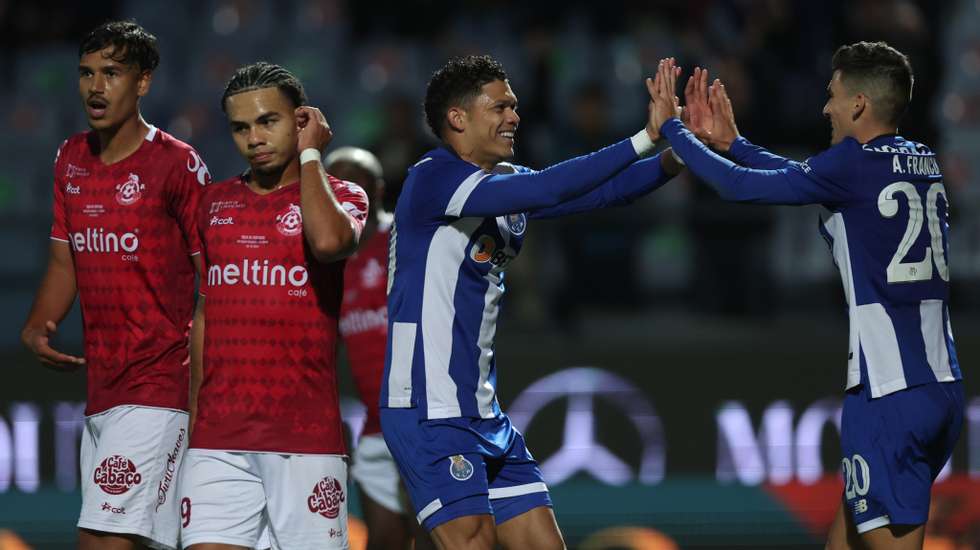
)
(231, 497)
(130, 459)
(375, 472)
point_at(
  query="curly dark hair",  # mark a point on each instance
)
(881, 72)
(265, 75)
(130, 43)
(456, 84)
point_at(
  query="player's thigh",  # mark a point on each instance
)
(306, 499)
(130, 458)
(895, 537)
(222, 500)
(842, 535)
(535, 529)
(520, 500)
(97, 540)
(469, 532)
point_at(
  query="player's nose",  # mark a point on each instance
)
(98, 83)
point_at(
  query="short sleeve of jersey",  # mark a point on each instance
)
(59, 229)
(352, 199)
(185, 185)
(829, 175)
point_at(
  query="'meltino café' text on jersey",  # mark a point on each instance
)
(131, 229)
(270, 313)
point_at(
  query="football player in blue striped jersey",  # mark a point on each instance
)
(461, 218)
(888, 232)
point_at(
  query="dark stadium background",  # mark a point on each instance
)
(694, 323)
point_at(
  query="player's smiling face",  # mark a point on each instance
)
(263, 125)
(492, 123)
(110, 90)
(839, 110)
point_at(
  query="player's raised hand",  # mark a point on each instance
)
(696, 107)
(312, 128)
(723, 129)
(666, 105)
(38, 341)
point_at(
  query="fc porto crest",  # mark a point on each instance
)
(460, 468)
(290, 221)
(131, 191)
(517, 223)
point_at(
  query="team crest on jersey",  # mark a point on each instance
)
(131, 191)
(517, 223)
(116, 475)
(460, 468)
(327, 497)
(290, 221)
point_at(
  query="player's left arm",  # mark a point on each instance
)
(817, 181)
(822, 179)
(637, 180)
(331, 231)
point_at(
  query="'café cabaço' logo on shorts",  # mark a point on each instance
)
(327, 497)
(116, 475)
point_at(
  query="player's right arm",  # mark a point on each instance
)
(58, 288)
(52, 302)
(485, 195)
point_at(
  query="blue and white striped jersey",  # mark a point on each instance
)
(456, 229)
(888, 231)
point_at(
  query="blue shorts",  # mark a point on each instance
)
(894, 447)
(456, 467)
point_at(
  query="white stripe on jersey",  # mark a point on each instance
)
(400, 375)
(842, 256)
(931, 314)
(879, 345)
(488, 327)
(462, 192)
(447, 251)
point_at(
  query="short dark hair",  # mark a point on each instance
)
(881, 72)
(456, 84)
(265, 75)
(130, 43)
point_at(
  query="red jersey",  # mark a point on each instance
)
(270, 329)
(364, 319)
(131, 227)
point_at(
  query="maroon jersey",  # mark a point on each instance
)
(270, 329)
(131, 226)
(364, 319)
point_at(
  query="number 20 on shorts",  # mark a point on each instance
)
(857, 477)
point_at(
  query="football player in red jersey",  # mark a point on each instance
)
(124, 240)
(364, 329)
(267, 453)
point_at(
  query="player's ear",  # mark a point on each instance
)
(859, 106)
(456, 118)
(143, 83)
